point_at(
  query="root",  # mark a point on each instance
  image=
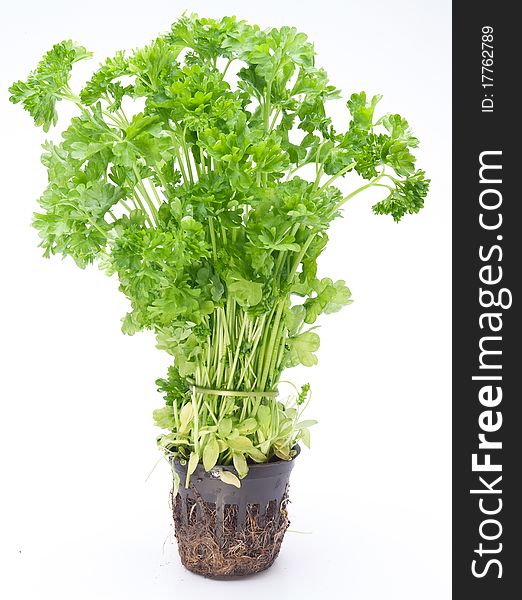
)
(251, 549)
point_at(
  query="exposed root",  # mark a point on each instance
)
(251, 549)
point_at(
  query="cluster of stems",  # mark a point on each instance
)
(242, 352)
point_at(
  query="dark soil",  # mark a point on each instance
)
(228, 551)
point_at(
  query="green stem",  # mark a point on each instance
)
(253, 351)
(267, 106)
(383, 185)
(141, 187)
(319, 166)
(125, 205)
(181, 167)
(202, 160)
(212, 238)
(196, 422)
(238, 349)
(115, 120)
(273, 370)
(142, 208)
(359, 190)
(183, 144)
(300, 257)
(224, 72)
(337, 175)
(156, 195)
(276, 115)
(270, 349)
(290, 173)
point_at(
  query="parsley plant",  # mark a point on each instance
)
(183, 175)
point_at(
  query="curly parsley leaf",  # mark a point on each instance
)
(48, 83)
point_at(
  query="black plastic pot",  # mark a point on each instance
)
(224, 531)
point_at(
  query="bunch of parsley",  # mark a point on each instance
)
(179, 176)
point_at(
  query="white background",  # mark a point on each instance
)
(371, 501)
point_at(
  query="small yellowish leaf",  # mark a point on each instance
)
(206, 430)
(229, 478)
(192, 464)
(306, 424)
(256, 455)
(186, 416)
(164, 417)
(282, 452)
(225, 427)
(240, 464)
(264, 416)
(210, 453)
(248, 426)
(240, 444)
(305, 436)
(169, 439)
